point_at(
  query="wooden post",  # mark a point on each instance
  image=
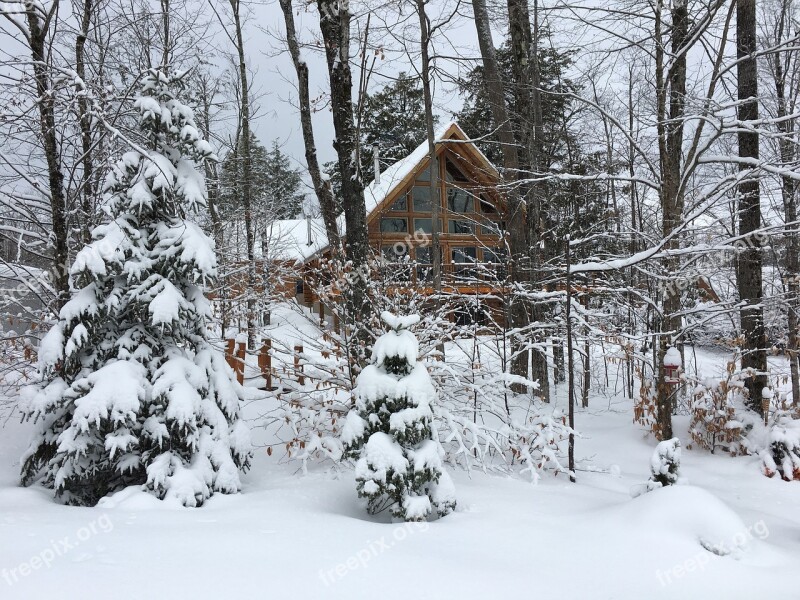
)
(265, 362)
(229, 349)
(298, 367)
(240, 358)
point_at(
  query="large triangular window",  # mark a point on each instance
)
(453, 173)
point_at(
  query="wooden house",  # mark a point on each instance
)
(399, 217)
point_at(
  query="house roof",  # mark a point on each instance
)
(291, 236)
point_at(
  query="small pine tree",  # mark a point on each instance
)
(782, 454)
(665, 463)
(390, 431)
(133, 393)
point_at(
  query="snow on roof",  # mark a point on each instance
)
(291, 236)
(288, 239)
(394, 175)
(20, 272)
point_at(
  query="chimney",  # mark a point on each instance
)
(309, 241)
(376, 163)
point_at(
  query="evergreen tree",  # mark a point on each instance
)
(580, 208)
(277, 187)
(399, 463)
(393, 119)
(281, 193)
(133, 393)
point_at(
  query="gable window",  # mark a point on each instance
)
(423, 225)
(453, 173)
(459, 201)
(401, 204)
(426, 174)
(422, 199)
(495, 228)
(394, 225)
(460, 227)
(487, 207)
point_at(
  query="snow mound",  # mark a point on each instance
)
(136, 498)
(692, 514)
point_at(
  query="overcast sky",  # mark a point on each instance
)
(275, 77)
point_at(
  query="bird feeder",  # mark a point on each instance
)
(672, 366)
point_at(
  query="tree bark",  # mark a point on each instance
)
(38, 27)
(436, 201)
(748, 271)
(788, 155)
(570, 363)
(87, 176)
(672, 201)
(247, 179)
(516, 312)
(322, 187)
(334, 18)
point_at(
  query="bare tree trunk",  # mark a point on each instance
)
(748, 271)
(788, 155)
(570, 363)
(210, 168)
(87, 176)
(334, 18)
(515, 217)
(322, 187)
(38, 28)
(587, 370)
(670, 131)
(247, 179)
(436, 201)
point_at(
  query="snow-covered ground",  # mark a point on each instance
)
(304, 536)
(290, 535)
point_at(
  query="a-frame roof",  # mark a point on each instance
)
(306, 240)
(404, 171)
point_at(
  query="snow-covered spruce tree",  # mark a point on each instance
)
(389, 430)
(132, 391)
(665, 464)
(782, 454)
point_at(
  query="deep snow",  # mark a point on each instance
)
(305, 536)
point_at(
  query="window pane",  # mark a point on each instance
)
(459, 200)
(460, 227)
(489, 256)
(423, 225)
(464, 254)
(422, 199)
(401, 204)
(496, 262)
(394, 225)
(426, 174)
(491, 228)
(453, 172)
(395, 252)
(487, 207)
(424, 255)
